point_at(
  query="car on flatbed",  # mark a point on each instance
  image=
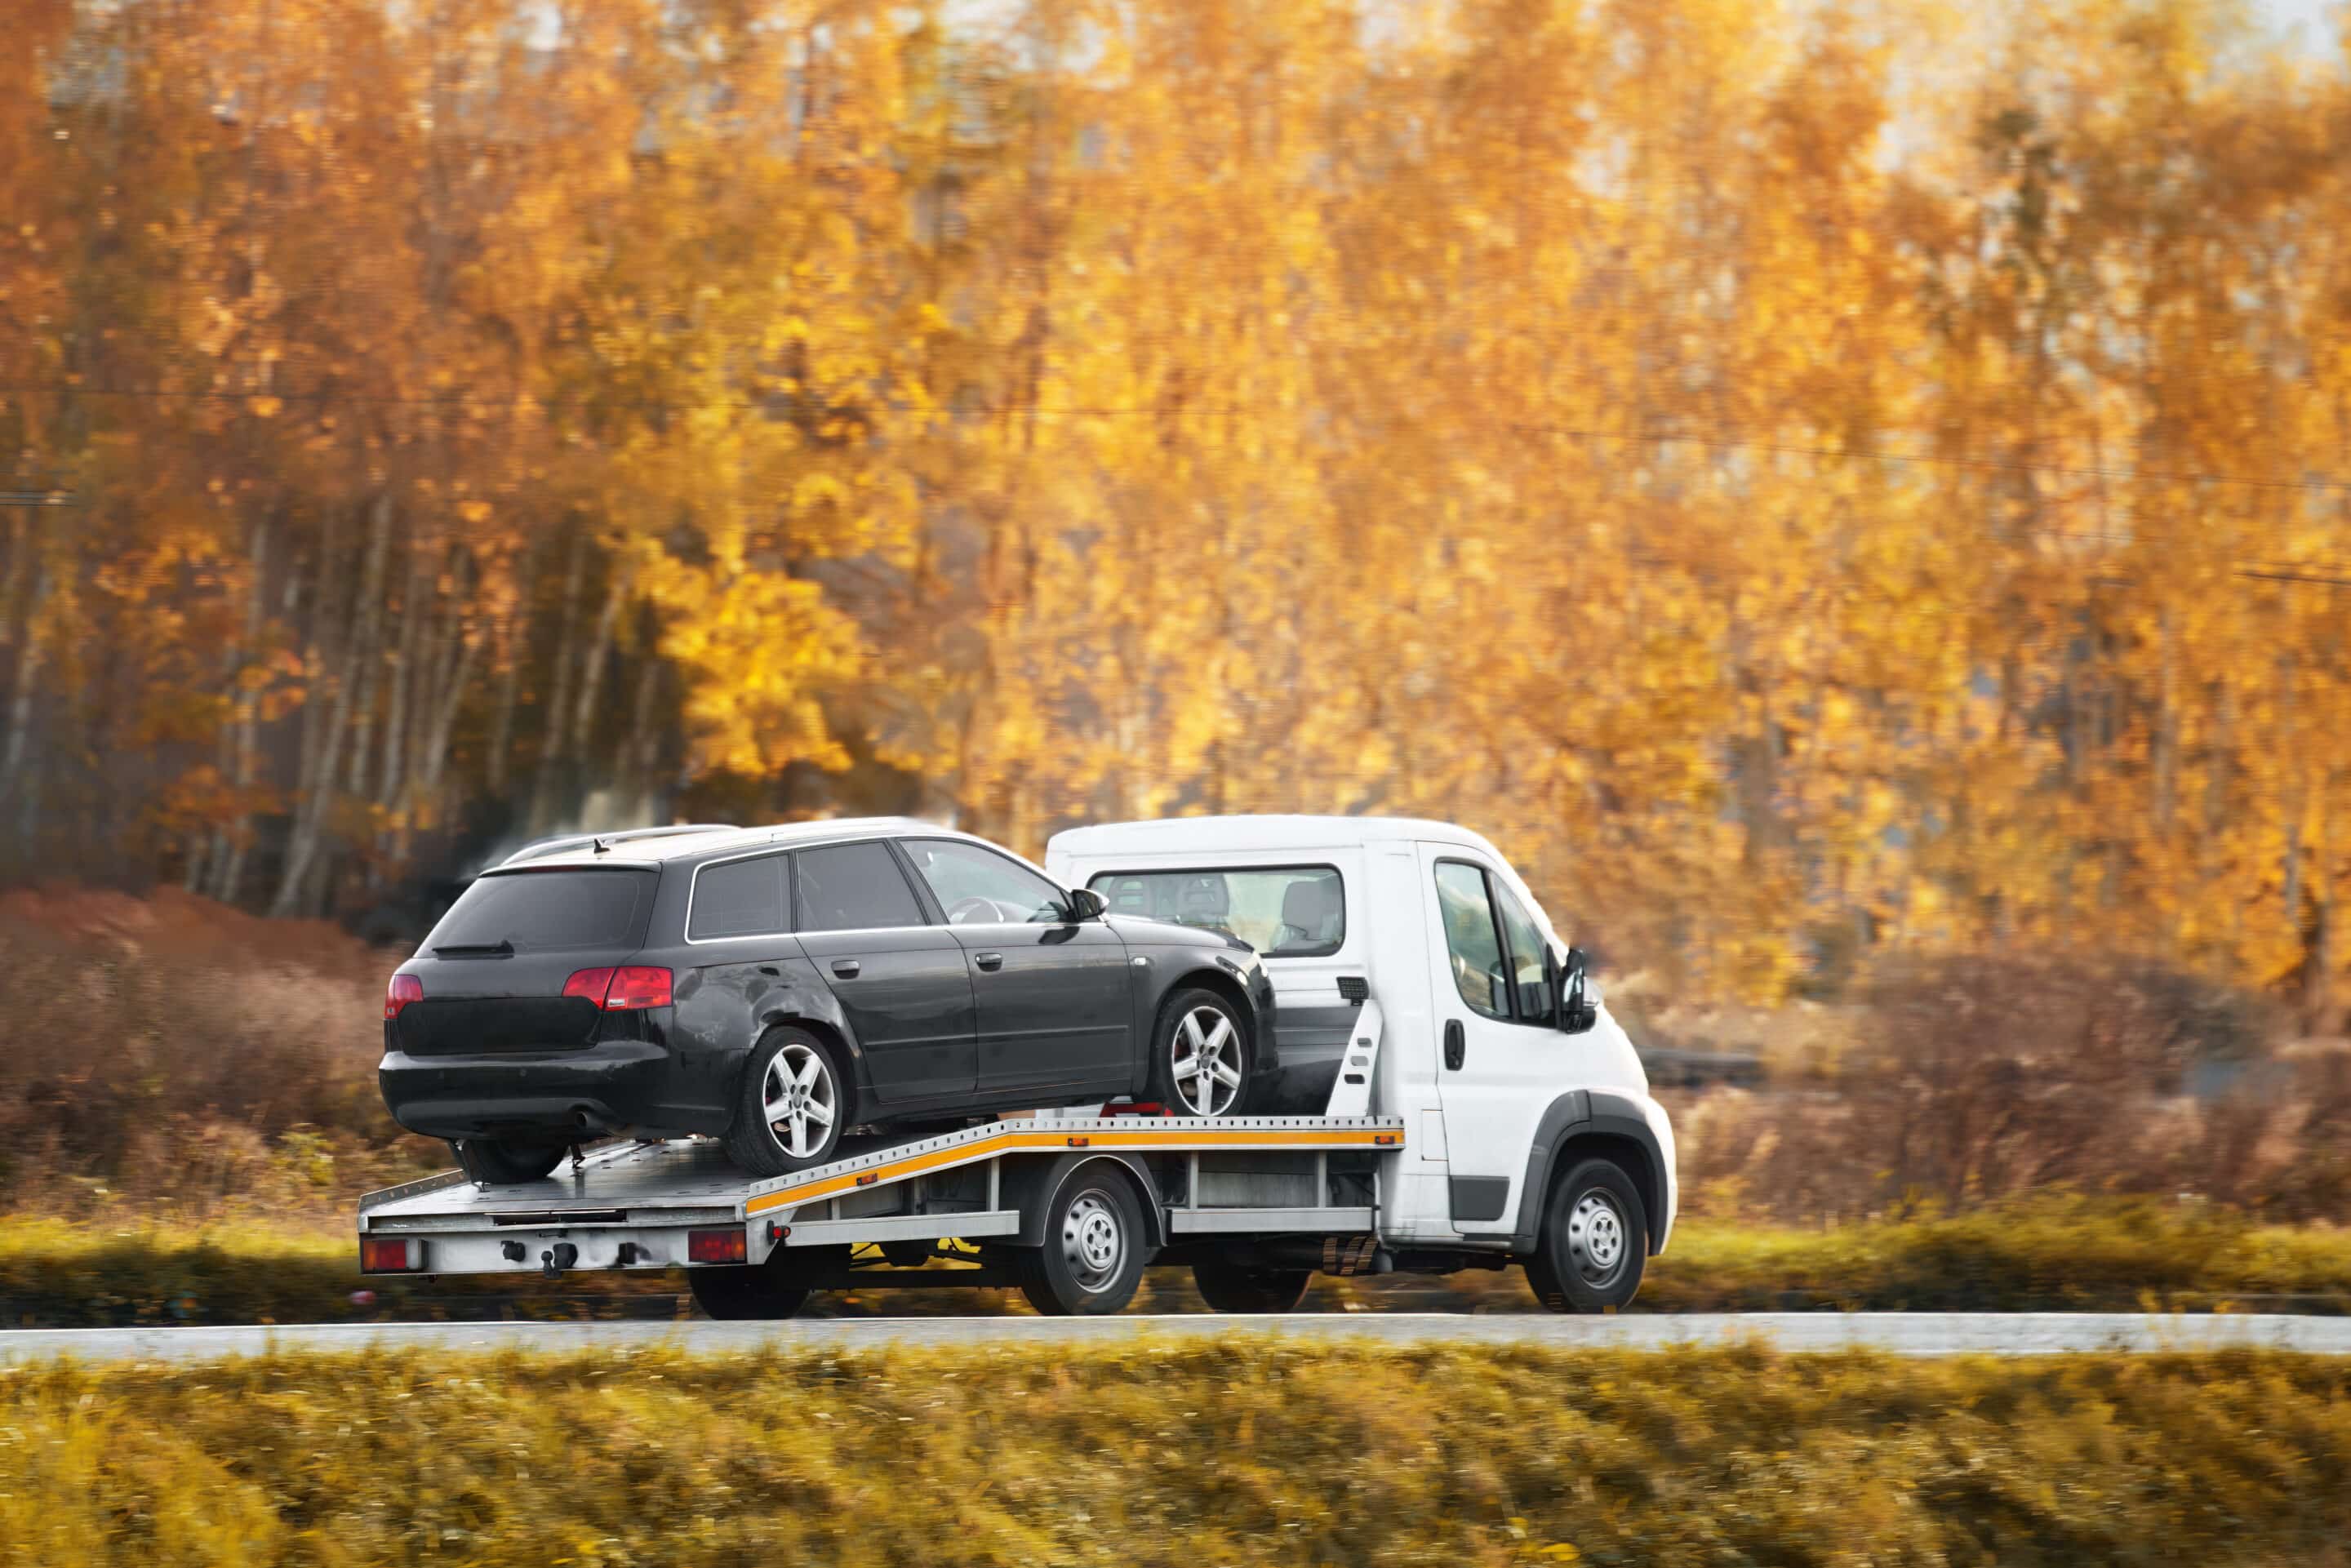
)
(774, 987)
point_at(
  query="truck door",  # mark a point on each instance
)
(1499, 1053)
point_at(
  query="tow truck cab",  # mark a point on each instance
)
(1429, 921)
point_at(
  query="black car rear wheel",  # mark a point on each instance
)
(498, 1163)
(1200, 1056)
(791, 1106)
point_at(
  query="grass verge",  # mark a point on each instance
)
(1181, 1454)
(2053, 1255)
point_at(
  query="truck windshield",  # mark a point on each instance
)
(543, 911)
(1283, 912)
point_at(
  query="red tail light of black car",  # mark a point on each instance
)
(404, 989)
(630, 989)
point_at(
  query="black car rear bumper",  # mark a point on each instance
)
(555, 1096)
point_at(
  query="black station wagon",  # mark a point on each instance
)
(776, 988)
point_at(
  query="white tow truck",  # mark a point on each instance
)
(1453, 1094)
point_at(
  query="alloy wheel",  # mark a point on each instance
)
(1207, 1052)
(798, 1099)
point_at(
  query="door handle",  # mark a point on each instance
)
(1456, 1047)
(991, 962)
(846, 968)
(769, 969)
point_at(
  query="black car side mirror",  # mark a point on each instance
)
(1577, 1010)
(1085, 904)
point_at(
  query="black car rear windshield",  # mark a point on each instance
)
(543, 911)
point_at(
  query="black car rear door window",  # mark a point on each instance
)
(854, 887)
(543, 911)
(739, 898)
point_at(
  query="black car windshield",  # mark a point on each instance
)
(539, 911)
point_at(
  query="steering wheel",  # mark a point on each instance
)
(975, 911)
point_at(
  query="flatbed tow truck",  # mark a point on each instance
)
(1482, 1109)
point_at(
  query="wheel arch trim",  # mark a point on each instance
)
(1606, 1123)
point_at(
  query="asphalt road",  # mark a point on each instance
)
(1902, 1333)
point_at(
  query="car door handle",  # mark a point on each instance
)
(846, 968)
(769, 969)
(991, 962)
(1457, 1048)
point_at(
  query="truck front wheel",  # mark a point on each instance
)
(1594, 1242)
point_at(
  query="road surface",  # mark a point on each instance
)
(1902, 1333)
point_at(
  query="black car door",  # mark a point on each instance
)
(905, 984)
(1056, 1006)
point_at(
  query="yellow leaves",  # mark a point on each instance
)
(263, 407)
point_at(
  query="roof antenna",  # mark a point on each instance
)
(601, 847)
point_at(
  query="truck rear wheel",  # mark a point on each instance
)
(1092, 1257)
(750, 1292)
(1227, 1287)
(498, 1163)
(1594, 1243)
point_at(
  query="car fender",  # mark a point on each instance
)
(796, 995)
(1580, 1113)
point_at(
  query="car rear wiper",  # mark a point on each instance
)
(475, 950)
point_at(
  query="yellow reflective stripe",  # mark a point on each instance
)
(1006, 1143)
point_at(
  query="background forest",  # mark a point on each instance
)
(1816, 483)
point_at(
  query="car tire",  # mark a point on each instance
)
(1227, 1287)
(1095, 1251)
(741, 1292)
(813, 1105)
(1594, 1241)
(494, 1162)
(1200, 1027)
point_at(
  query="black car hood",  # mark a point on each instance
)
(1167, 934)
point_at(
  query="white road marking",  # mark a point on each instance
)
(1901, 1334)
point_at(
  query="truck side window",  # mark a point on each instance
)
(1530, 986)
(1471, 939)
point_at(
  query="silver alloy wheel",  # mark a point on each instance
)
(798, 1099)
(1207, 1057)
(1093, 1242)
(1596, 1239)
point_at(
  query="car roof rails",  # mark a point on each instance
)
(544, 847)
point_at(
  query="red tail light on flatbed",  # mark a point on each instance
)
(629, 988)
(391, 1254)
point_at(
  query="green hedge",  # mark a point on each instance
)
(1191, 1454)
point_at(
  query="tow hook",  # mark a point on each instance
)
(557, 1259)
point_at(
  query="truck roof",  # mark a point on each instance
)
(1215, 835)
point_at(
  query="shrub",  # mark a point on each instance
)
(1143, 1452)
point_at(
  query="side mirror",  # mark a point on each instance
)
(1085, 904)
(1578, 1010)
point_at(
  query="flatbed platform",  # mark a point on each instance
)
(642, 1204)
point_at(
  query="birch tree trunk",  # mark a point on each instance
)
(364, 662)
(551, 747)
(229, 876)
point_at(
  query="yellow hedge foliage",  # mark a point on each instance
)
(1191, 1454)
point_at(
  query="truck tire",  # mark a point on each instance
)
(745, 1292)
(1227, 1287)
(790, 1107)
(1094, 1247)
(1199, 1055)
(1594, 1241)
(496, 1162)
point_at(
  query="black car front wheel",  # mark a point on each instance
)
(494, 1162)
(1200, 1056)
(791, 1106)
